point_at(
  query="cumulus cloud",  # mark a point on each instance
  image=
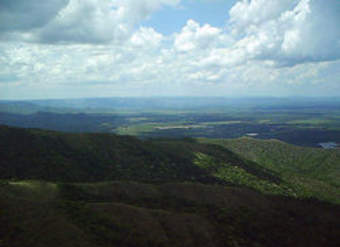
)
(193, 36)
(75, 21)
(287, 32)
(279, 33)
(244, 14)
(270, 44)
(86, 21)
(146, 37)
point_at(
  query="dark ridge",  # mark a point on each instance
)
(56, 156)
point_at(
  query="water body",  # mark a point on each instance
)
(252, 134)
(328, 145)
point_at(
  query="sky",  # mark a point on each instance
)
(107, 48)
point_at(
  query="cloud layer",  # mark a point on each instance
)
(75, 21)
(265, 47)
(18, 15)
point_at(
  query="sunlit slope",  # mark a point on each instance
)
(171, 214)
(65, 157)
(316, 171)
(59, 189)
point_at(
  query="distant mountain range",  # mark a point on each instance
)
(161, 103)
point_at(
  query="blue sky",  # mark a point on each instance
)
(104, 48)
(170, 20)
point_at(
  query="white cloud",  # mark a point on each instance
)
(287, 32)
(266, 46)
(146, 37)
(75, 21)
(193, 36)
(246, 14)
(86, 21)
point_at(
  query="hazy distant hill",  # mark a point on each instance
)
(69, 122)
(19, 107)
(164, 103)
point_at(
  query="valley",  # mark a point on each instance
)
(167, 177)
(169, 123)
(304, 122)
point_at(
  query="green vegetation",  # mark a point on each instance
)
(142, 129)
(169, 214)
(55, 156)
(239, 176)
(311, 171)
(270, 167)
(92, 190)
(311, 121)
(222, 122)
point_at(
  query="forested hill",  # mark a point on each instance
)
(57, 156)
(315, 171)
(323, 164)
(270, 167)
(92, 190)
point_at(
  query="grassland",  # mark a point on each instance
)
(304, 127)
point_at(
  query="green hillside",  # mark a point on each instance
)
(315, 171)
(170, 214)
(63, 189)
(271, 167)
(56, 156)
